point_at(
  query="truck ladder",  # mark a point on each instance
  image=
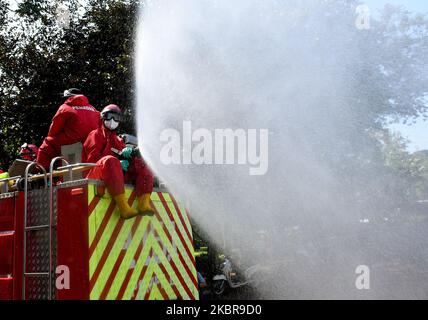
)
(48, 226)
(27, 229)
(59, 172)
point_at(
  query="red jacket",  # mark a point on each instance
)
(74, 120)
(99, 144)
(97, 149)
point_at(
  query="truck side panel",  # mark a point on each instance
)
(141, 258)
(97, 255)
(72, 237)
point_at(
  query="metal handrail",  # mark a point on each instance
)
(36, 273)
(51, 191)
(5, 182)
(24, 260)
(51, 209)
(77, 165)
(11, 178)
(45, 226)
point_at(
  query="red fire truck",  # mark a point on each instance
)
(67, 241)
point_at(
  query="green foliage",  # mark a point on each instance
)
(40, 57)
(410, 170)
(3, 11)
(31, 9)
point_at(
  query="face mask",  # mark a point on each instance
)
(111, 124)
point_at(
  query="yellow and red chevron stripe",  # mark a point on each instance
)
(141, 258)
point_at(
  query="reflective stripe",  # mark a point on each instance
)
(185, 234)
(184, 251)
(128, 260)
(140, 264)
(165, 266)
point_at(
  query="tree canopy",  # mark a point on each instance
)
(47, 46)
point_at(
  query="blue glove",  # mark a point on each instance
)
(124, 164)
(127, 152)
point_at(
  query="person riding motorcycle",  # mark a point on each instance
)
(99, 148)
(72, 123)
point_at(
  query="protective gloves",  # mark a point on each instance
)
(124, 164)
(127, 152)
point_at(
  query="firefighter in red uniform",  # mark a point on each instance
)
(72, 123)
(114, 172)
(28, 152)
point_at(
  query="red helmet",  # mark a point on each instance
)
(28, 152)
(110, 111)
(112, 117)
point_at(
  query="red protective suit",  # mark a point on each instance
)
(97, 149)
(72, 123)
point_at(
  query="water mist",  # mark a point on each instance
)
(282, 75)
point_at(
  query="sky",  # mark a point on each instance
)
(417, 134)
(412, 5)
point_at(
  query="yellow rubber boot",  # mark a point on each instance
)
(144, 205)
(126, 211)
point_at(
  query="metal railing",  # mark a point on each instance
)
(26, 274)
(48, 226)
(51, 212)
(70, 167)
(4, 184)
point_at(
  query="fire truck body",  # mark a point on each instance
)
(69, 242)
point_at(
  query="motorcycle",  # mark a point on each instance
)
(227, 279)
